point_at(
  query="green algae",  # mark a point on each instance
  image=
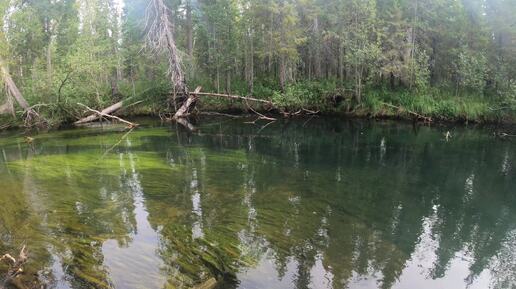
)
(186, 207)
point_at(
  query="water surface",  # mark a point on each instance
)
(319, 203)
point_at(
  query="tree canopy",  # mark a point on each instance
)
(294, 51)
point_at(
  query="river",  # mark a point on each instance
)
(309, 203)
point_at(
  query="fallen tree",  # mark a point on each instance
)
(105, 113)
(237, 97)
(95, 116)
(160, 37)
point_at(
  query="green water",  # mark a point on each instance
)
(323, 203)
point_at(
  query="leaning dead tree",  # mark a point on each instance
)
(12, 92)
(160, 37)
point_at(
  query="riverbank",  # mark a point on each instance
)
(322, 98)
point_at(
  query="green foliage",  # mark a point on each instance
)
(305, 95)
(471, 69)
(297, 52)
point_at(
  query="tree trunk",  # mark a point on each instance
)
(6, 108)
(342, 69)
(31, 116)
(49, 61)
(228, 81)
(251, 65)
(269, 64)
(317, 52)
(187, 106)
(162, 37)
(283, 73)
(189, 29)
(11, 87)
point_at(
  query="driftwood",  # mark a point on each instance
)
(302, 111)
(260, 116)
(103, 113)
(15, 269)
(415, 114)
(95, 116)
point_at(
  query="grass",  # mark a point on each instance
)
(324, 96)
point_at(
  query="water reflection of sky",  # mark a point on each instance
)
(350, 210)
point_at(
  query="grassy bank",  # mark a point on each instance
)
(323, 96)
(380, 102)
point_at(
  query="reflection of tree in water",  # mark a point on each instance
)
(349, 200)
(383, 194)
(74, 213)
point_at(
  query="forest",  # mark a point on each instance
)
(444, 59)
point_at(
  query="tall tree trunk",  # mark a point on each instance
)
(161, 36)
(283, 73)
(228, 81)
(341, 62)
(251, 65)
(49, 62)
(189, 29)
(269, 64)
(407, 56)
(317, 50)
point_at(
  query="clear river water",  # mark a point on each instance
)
(309, 203)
